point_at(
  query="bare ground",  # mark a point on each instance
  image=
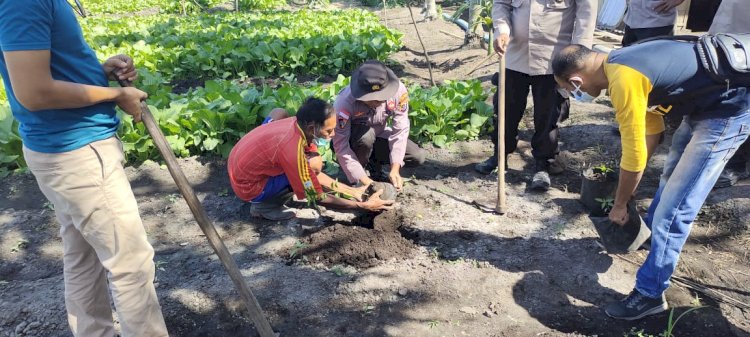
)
(536, 270)
(450, 269)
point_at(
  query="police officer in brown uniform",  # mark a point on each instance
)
(373, 126)
(528, 32)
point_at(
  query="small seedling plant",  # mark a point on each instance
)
(606, 203)
(671, 324)
(603, 170)
(294, 251)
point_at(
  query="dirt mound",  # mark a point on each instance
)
(358, 246)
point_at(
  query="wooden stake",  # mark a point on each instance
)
(500, 206)
(476, 66)
(426, 56)
(385, 13)
(451, 34)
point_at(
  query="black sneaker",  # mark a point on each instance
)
(636, 306)
(487, 166)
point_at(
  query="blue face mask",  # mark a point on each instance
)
(580, 95)
(322, 142)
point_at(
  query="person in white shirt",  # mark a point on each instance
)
(649, 18)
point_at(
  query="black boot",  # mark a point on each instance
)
(487, 166)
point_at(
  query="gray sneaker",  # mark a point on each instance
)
(271, 211)
(540, 181)
(730, 176)
(636, 306)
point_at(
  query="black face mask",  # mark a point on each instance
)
(78, 7)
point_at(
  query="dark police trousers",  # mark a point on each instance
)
(550, 108)
(376, 151)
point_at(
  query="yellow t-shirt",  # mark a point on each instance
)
(629, 89)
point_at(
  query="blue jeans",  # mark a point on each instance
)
(700, 149)
(274, 186)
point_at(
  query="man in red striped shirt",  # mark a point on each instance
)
(270, 162)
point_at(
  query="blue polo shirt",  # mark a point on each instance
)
(52, 25)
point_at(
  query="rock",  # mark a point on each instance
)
(403, 292)
(20, 327)
(488, 313)
(468, 310)
(388, 190)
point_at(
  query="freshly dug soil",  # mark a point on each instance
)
(389, 221)
(357, 246)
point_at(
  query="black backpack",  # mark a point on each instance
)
(725, 57)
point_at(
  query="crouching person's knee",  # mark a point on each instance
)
(417, 158)
(420, 157)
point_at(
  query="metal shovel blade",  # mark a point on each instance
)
(622, 239)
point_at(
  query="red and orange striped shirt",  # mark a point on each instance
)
(267, 151)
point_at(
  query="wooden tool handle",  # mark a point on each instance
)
(253, 307)
(500, 206)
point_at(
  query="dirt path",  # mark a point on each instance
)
(449, 270)
(444, 43)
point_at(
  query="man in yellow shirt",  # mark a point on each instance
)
(642, 81)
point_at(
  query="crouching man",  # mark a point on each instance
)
(641, 80)
(364, 138)
(270, 163)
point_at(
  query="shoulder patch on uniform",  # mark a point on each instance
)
(404, 98)
(342, 120)
(391, 104)
(403, 101)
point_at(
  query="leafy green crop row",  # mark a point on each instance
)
(99, 7)
(3, 97)
(96, 7)
(229, 45)
(261, 4)
(11, 155)
(210, 120)
(453, 111)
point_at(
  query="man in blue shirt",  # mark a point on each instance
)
(58, 91)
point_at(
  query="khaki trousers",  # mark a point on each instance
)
(103, 240)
